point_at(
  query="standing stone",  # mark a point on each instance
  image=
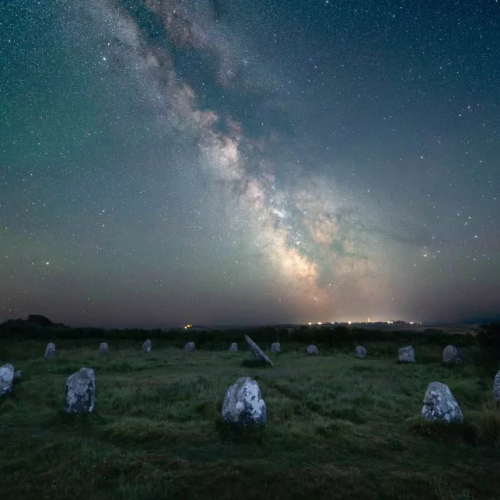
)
(189, 346)
(233, 347)
(440, 405)
(244, 405)
(146, 347)
(103, 347)
(312, 349)
(496, 387)
(50, 350)
(276, 348)
(6, 379)
(406, 354)
(80, 391)
(257, 351)
(18, 375)
(452, 355)
(360, 352)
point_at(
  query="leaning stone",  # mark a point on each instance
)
(312, 349)
(146, 347)
(244, 405)
(496, 387)
(233, 347)
(103, 347)
(80, 392)
(6, 379)
(360, 352)
(406, 354)
(189, 346)
(276, 348)
(18, 375)
(452, 355)
(440, 405)
(50, 350)
(257, 351)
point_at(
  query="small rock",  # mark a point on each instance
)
(452, 355)
(6, 379)
(257, 351)
(146, 347)
(496, 387)
(233, 347)
(244, 405)
(361, 352)
(440, 405)
(276, 348)
(18, 375)
(50, 350)
(312, 349)
(80, 391)
(103, 347)
(406, 354)
(189, 346)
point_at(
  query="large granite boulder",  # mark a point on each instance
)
(276, 348)
(257, 351)
(189, 346)
(496, 387)
(103, 348)
(80, 391)
(312, 349)
(146, 347)
(440, 405)
(406, 354)
(233, 347)
(6, 379)
(452, 355)
(361, 352)
(244, 405)
(50, 350)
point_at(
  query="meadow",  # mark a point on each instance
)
(338, 427)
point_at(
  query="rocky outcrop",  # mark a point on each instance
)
(233, 347)
(103, 347)
(146, 347)
(440, 405)
(244, 405)
(80, 392)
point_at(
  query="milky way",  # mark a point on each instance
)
(175, 161)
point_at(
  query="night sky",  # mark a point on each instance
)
(166, 162)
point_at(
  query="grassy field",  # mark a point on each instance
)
(338, 427)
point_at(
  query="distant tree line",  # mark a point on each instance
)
(41, 328)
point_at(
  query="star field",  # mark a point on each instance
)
(166, 162)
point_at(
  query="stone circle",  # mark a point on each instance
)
(406, 354)
(6, 378)
(244, 405)
(452, 355)
(276, 348)
(440, 405)
(80, 391)
(312, 349)
(361, 352)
